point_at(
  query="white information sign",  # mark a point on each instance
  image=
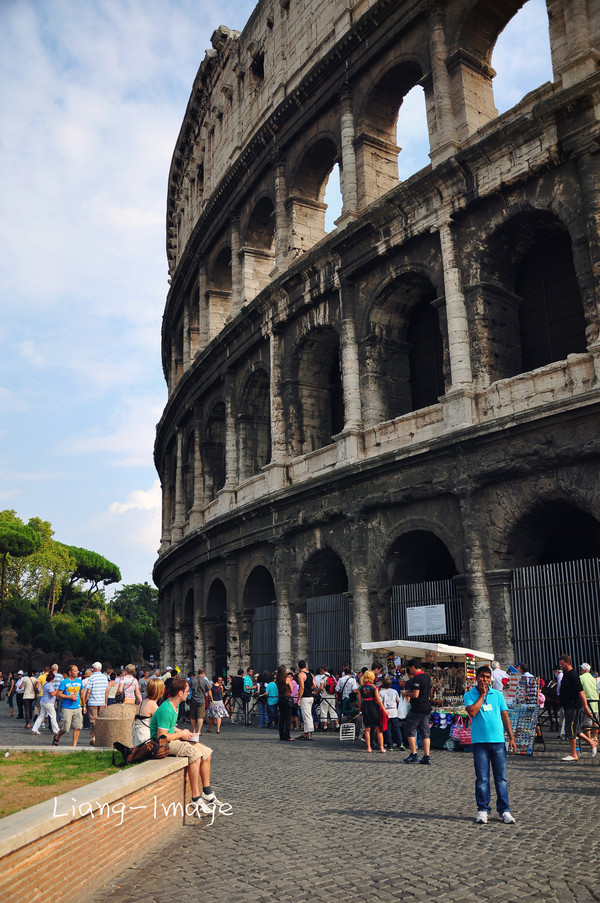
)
(426, 620)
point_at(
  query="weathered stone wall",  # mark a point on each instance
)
(368, 407)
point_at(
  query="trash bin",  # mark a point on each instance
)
(115, 723)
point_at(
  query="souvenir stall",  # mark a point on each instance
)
(452, 670)
(521, 694)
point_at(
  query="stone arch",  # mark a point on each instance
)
(320, 400)
(254, 423)
(376, 138)
(403, 348)
(219, 292)
(213, 451)
(258, 251)
(307, 192)
(552, 531)
(215, 627)
(530, 285)
(470, 61)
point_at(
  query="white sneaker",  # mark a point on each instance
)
(595, 751)
(202, 808)
(507, 818)
(35, 732)
(211, 801)
(482, 817)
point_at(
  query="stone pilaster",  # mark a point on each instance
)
(179, 520)
(499, 584)
(349, 176)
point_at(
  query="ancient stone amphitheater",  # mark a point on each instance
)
(389, 429)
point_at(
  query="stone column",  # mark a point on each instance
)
(196, 518)
(282, 226)
(477, 618)
(588, 164)
(199, 638)
(499, 583)
(578, 58)
(233, 625)
(165, 540)
(237, 287)
(186, 334)
(203, 317)
(360, 621)
(231, 455)
(281, 578)
(444, 143)
(177, 600)
(349, 180)
(350, 374)
(179, 520)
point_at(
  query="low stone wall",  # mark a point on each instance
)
(69, 845)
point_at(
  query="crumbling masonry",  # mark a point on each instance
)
(405, 408)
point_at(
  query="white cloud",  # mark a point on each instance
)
(11, 402)
(140, 499)
(141, 517)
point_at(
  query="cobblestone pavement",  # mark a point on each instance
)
(326, 821)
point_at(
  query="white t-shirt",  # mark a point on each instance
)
(346, 685)
(390, 699)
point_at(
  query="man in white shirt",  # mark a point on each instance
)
(326, 684)
(345, 686)
(96, 697)
(498, 675)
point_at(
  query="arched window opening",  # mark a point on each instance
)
(551, 318)
(412, 134)
(521, 57)
(324, 574)
(308, 204)
(403, 350)
(254, 425)
(213, 450)
(258, 252)
(332, 198)
(392, 118)
(320, 390)
(219, 294)
(426, 356)
(215, 628)
(259, 629)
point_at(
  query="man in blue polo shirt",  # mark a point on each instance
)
(488, 711)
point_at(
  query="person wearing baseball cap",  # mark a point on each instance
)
(590, 688)
(96, 697)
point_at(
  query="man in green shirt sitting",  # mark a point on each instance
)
(164, 724)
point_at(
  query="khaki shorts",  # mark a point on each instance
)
(71, 718)
(192, 750)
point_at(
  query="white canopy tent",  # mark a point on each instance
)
(409, 649)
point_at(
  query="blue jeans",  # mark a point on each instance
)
(393, 734)
(484, 755)
(263, 713)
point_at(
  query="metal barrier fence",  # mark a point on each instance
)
(264, 639)
(433, 592)
(328, 631)
(556, 608)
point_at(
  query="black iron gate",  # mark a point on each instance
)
(417, 595)
(556, 608)
(264, 639)
(328, 631)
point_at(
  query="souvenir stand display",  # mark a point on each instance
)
(521, 694)
(453, 674)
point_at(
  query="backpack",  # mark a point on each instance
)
(330, 684)
(155, 748)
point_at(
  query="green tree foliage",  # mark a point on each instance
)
(17, 541)
(56, 601)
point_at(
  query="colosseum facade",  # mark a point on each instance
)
(390, 428)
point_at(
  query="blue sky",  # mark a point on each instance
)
(92, 94)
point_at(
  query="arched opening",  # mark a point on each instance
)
(383, 125)
(215, 628)
(424, 603)
(213, 451)
(332, 198)
(530, 295)
(321, 620)
(260, 620)
(219, 293)
(555, 590)
(307, 200)
(521, 58)
(551, 319)
(254, 424)
(403, 350)
(320, 396)
(258, 251)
